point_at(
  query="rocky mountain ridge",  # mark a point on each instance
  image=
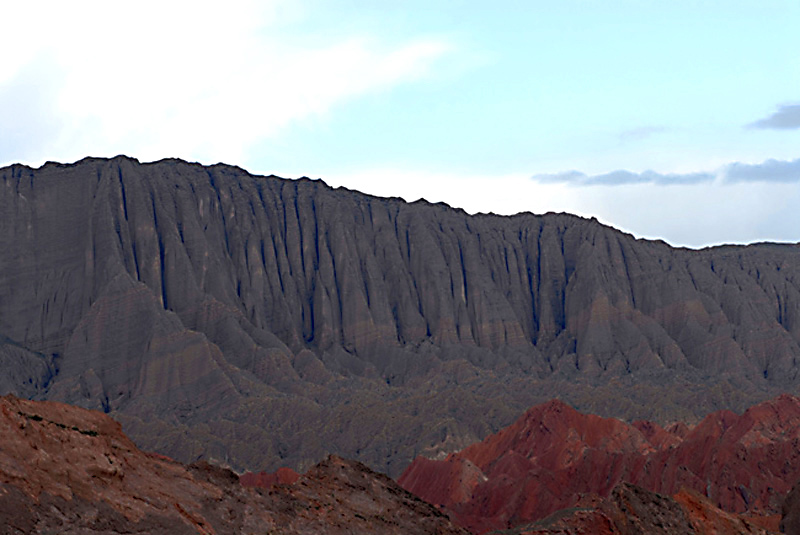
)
(69, 470)
(552, 457)
(210, 311)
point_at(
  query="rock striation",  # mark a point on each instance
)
(69, 470)
(212, 311)
(552, 457)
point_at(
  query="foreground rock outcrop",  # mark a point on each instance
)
(69, 470)
(631, 510)
(210, 310)
(552, 457)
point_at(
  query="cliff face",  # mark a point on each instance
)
(211, 311)
(68, 470)
(553, 456)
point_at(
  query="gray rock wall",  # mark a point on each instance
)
(202, 301)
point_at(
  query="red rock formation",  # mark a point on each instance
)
(710, 519)
(553, 457)
(658, 436)
(265, 480)
(742, 463)
(69, 470)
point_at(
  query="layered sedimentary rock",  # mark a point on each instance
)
(69, 470)
(263, 322)
(553, 456)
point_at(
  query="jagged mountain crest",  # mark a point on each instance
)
(556, 458)
(181, 296)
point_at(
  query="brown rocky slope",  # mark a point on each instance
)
(262, 322)
(631, 510)
(553, 457)
(69, 470)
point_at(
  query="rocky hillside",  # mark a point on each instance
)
(631, 510)
(552, 457)
(262, 322)
(69, 470)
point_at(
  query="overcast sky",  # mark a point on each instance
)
(677, 120)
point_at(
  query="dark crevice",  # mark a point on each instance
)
(161, 254)
(299, 231)
(536, 289)
(463, 274)
(284, 230)
(278, 269)
(213, 183)
(338, 288)
(135, 260)
(627, 273)
(315, 215)
(365, 279)
(122, 192)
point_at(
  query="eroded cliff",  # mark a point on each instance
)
(265, 322)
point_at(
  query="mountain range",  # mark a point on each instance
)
(64, 469)
(258, 322)
(554, 458)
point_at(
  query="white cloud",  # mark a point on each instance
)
(691, 214)
(622, 176)
(768, 171)
(196, 80)
(505, 194)
(786, 118)
(736, 203)
(696, 215)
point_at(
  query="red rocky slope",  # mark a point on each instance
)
(69, 470)
(553, 456)
(266, 480)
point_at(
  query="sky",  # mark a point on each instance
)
(673, 120)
